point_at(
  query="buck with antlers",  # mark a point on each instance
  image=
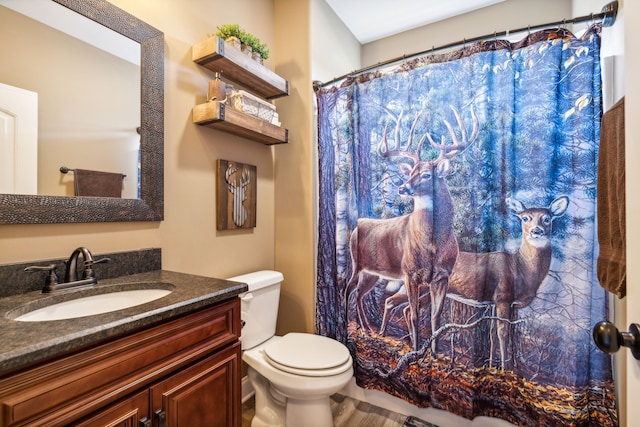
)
(419, 247)
(506, 280)
(238, 189)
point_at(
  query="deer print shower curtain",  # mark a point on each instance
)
(456, 230)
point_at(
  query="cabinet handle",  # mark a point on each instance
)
(161, 417)
(145, 422)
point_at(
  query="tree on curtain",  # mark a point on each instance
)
(457, 239)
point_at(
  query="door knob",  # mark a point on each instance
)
(609, 339)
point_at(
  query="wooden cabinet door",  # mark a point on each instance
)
(130, 412)
(206, 394)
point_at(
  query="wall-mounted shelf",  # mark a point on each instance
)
(216, 115)
(217, 55)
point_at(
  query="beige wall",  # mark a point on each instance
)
(304, 55)
(294, 195)
(187, 236)
(334, 50)
(503, 16)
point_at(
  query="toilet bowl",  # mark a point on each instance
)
(294, 395)
(293, 376)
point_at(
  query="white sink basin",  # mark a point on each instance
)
(92, 305)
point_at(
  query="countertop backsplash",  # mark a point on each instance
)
(14, 280)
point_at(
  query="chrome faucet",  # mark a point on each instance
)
(71, 279)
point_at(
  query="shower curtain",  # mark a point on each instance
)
(457, 240)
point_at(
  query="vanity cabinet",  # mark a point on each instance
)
(130, 412)
(185, 372)
(199, 395)
(217, 55)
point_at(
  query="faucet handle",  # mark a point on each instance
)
(88, 267)
(52, 277)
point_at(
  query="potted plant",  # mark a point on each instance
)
(262, 50)
(230, 33)
(248, 41)
(239, 38)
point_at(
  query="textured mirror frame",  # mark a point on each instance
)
(27, 209)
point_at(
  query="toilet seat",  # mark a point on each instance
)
(308, 355)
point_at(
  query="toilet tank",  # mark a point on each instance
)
(259, 306)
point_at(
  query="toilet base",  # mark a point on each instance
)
(309, 413)
(269, 409)
(273, 409)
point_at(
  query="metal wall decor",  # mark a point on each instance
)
(236, 188)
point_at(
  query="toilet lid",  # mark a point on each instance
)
(299, 352)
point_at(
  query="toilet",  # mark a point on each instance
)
(293, 375)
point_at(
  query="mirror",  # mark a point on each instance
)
(23, 209)
(85, 109)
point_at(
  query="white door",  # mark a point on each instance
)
(18, 140)
(632, 138)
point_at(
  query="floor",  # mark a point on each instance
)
(348, 412)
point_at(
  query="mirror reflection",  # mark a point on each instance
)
(81, 104)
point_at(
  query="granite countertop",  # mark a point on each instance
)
(24, 343)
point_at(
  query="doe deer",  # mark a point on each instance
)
(418, 247)
(506, 280)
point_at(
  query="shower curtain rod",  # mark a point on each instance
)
(607, 15)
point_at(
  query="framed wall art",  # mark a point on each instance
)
(236, 188)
